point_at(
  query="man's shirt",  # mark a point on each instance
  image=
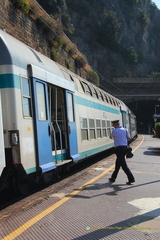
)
(120, 136)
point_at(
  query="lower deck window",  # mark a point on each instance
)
(92, 130)
(98, 127)
(84, 129)
(109, 129)
(104, 131)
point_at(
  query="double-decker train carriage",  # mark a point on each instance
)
(49, 117)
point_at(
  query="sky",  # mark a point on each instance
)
(157, 2)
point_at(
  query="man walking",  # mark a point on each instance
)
(121, 137)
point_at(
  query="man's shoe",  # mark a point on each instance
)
(130, 182)
(111, 180)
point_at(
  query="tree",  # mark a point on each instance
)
(108, 30)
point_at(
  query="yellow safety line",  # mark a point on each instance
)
(139, 144)
(44, 213)
(146, 173)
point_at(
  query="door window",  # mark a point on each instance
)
(70, 108)
(42, 116)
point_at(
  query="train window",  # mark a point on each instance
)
(92, 130)
(70, 108)
(94, 92)
(84, 129)
(67, 75)
(104, 131)
(98, 128)
(107, 100)
(104, 97)
(100, 96)
(86, 88)
(108, 128)
(110, 100)
(40, 89)
(26, 95)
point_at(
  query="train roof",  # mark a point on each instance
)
(16, 53)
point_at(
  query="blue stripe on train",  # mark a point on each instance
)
(91, 104)
(95, 150)
(9, 80)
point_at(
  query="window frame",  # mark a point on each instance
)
(28, 97)
(84, 129)
(98, 128)
(104, 128)
(92, 128)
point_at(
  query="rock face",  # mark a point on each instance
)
(120, 38)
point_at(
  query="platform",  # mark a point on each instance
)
(88, 207)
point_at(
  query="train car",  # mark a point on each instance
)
(49, 117)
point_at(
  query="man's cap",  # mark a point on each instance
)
(115, 121)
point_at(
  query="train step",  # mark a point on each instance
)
(62, 162)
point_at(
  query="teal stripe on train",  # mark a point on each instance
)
(94, 151)
(91, 104)
(9, 80)
(59, 157)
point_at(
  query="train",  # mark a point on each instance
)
(50, 117)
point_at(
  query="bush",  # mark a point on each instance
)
(80, 62)
(68, 64)
(144, 18)
(93, 77)
(130, 56)
(108, 30)
(158, 129)
(71, 51)
(23, 5)
(54, 55)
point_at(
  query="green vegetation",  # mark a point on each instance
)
(58, 8)
(130, 55)
(108, 30)
(55, 55)
(68, 64)
(82, 7)
(93, 77)
(155, 74)
(23, 5)
(71, 51)
(80, 62)
(158, 129)
(144, 17)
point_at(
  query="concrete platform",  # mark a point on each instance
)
(89, 207)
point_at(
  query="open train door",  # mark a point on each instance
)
(2, 154)
(72, 131)
(42, 125)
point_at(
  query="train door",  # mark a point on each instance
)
(72, 131)
(2, 154)
(58, 125)
(42, 125)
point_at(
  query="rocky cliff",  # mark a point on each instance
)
(120, 38)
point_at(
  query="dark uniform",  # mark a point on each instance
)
(120, 136)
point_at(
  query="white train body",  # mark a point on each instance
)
(49, 115)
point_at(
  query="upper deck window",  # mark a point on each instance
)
(94, 92)
(86, 88)
(100, 96)
(67, 75)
